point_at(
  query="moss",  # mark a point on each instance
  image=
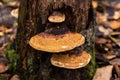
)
(6, 1)
(3, 78)
(92, 66)
(12, 56)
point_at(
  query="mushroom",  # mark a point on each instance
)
(56, 43)
(71, 61)
(56, 17)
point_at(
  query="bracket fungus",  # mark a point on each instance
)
(58, 38)
(56, 17)
(70, 61)
(56, 43)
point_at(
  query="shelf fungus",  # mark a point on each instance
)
(70, 61)
(56, 17)
(59, 39)
(56, 43)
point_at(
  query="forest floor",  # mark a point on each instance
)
(107, 38)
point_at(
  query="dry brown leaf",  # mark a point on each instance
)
(109, 55)
(94, 4)
(117, 69)
(115, 61)
(103, 73)
(117, 6)
(116, 40)
(14, 3)
(104, 30)
(15, 13)
(117, 79)
(100, 40)
(114, 24)
(9, 30)
(105, 3)
(116, 15)
(15, 77)
(3, 65)
(3, 28)
(1, 34)
(1, 4)
(101, 18)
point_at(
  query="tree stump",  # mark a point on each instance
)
(33, 14)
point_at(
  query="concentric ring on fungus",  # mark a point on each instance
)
(70, 61)
(56, 43)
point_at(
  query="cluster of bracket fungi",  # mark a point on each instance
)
(63, 43)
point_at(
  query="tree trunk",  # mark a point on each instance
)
(35, 65)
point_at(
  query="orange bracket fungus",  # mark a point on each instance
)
(56, 17)
(56, 43)
(58, 38)
(71, 61)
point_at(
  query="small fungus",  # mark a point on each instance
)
(56, 17)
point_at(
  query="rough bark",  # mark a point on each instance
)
(35, 65)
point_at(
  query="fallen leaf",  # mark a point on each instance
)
(103, 73)
(15, 77)
(100, 40)
(101, 18)
(94, 4)
(114, 24)
(116, 40)
(14, 13)
(105, 31)
(117, 6)
(115, 61)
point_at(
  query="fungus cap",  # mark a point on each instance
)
(56, 43)
(70, 61)
(56, 17)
